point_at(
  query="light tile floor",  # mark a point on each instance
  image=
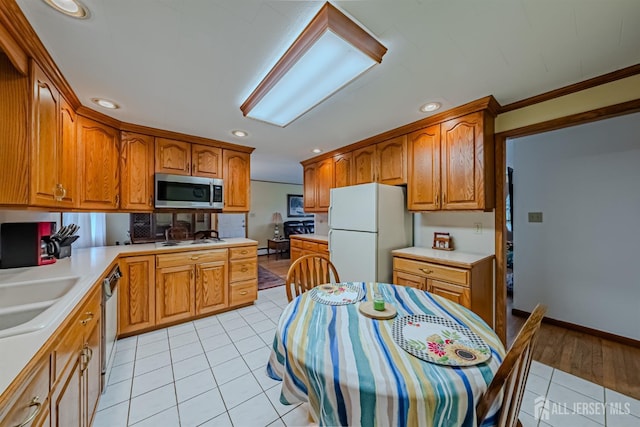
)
(211, 372)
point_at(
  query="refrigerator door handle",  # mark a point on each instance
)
(330, 209)
(330, 231)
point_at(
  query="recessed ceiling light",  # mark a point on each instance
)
(316, 150)
(430, 106)
(105, 103)
(239, 133)
(72, 8)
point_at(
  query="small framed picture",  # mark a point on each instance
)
(442, 241)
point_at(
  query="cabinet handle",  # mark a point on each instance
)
(150, 200)
(34, 402)
(84, 359)
(426, 271)
(444, 198)
(59, 192)
(195, 257)
(244, 269)
(88, 319)
(188, 167)
(191, 274)
(243, 292)
(437, 198)
(117, 199)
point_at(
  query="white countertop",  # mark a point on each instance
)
(89, 265)
(464, 259)
(316, 237)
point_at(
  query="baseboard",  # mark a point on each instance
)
(579, 328)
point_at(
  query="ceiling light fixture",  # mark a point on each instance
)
(72, 8)
(430, 106)
(239, 133)
(329, 53)
(105, 103)
(316, 150)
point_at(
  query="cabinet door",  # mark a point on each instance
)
(295, 253)
(237, 184)
(211, 287)
(207, 161)
(391, 159)
(67, 160)
(67, 400)
(92, 373)
(463, 163)
(173, 157)
(324, 184)
(310, 188)
(136, 172)
(342, 170)
(175, 296)
(99, 149)
(423, 183)
(455, 293)
(364, 165)
(405, 279)
(136, 294)
(44, 140)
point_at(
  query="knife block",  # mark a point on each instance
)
(65, 252)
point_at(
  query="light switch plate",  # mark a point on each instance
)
(535, 216)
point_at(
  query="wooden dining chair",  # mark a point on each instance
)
(309, 271)
(512, 374)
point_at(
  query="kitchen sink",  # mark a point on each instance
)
(21, 293)
(24, 306)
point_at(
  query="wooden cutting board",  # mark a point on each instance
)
(367, 309)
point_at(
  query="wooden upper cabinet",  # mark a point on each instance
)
(309, 187)
(45, 137)
(237, 181)
(206, 161)
(424, 169)
(67, 162)
(391, 161)
(99, 155)
(364, 165)
(173, 157)
(324, 184)
(467, 163)
(136, 171)
(342, 170)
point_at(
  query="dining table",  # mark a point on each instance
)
(351, 371)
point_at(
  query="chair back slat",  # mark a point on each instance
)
(511, 376)
(308, 272)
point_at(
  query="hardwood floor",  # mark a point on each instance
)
(608, 363)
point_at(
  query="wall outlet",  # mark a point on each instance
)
(478, 227)
(535, 216)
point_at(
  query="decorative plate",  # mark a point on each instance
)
(439, 340)
(338, 294)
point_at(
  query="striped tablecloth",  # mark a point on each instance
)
(351, 371)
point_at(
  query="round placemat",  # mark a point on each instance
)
(337, 294)
(439, 340)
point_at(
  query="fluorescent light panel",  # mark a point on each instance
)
(331, 52)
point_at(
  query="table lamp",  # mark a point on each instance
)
(276, 218)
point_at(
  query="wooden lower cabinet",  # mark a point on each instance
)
(300, 245)
(76, 389)
(31, 401)
(468, 284)
(175, 293)
(211, 287)
(136, 294)
(243, 275)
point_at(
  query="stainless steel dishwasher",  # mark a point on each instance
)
(109, 321)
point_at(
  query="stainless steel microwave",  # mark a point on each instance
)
(188, 192)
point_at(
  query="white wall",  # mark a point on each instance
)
(581, 261)
(461, 226)
(267, 198)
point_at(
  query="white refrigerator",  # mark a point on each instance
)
(366, 222)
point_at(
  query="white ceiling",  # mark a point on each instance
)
(188, 65)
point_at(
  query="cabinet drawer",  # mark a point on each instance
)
(295, 243)
(432, 271)
(243, 292)
(310, 246)
(192, 257)
(458, 294)
(243, 252)
(323, 248)
(243, 269)
(32, 398)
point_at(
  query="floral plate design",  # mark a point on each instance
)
(337, 294)
(439, 340)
